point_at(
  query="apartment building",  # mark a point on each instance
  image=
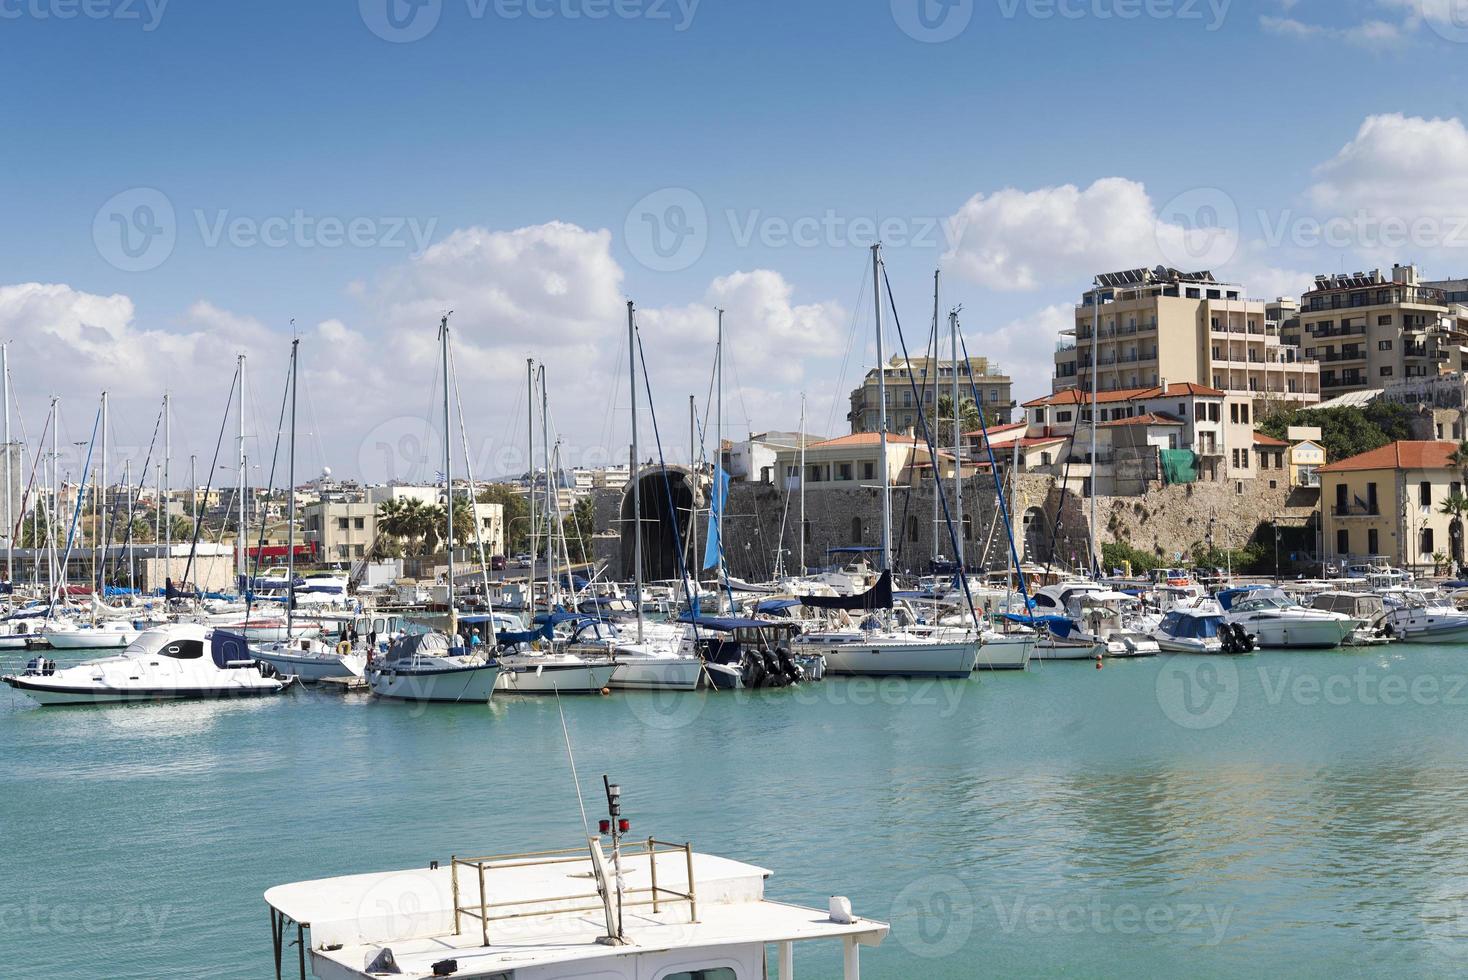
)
(1387, 502)
(1142, 328)
(932, 379)
(855, 461)
(1135, 425)
(1368, 330)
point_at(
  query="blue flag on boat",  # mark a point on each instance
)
(714, 549)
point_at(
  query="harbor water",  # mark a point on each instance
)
(1287, 813)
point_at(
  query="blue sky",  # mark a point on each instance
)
(758, 114)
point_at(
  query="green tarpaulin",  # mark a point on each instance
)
(1179, 466)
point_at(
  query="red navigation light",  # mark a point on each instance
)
(624, 825)
(605, 826)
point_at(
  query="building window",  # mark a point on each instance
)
(843, 471)
(1426, 542)
(359, 523)
(1386, 370)
(856, 530)
(1383, 345)
(1264, 461)
(912, 529)
(1182, 409)
(1372, 541)
(1244, 409)
(1343, 542)
(342, 524)
(1062, 416)
(1424, 493)
(1385, 321)
(868, 471)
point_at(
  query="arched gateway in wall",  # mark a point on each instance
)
(678, 494)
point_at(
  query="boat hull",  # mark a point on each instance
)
(90, 639)
(555, 678)
(309, 670)
(886, 659)
(657, 674)
(1322, 634)
(55, 694)
(454, 685)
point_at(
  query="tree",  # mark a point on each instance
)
(1459, 458)
(516, 514)
(1344, 432)
(968, 419)
(579, 529)
(408, 520)
(1455, 507)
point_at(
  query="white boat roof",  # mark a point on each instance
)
(412, 913)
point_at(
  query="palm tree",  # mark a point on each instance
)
(1459, 458)
(968, 419)
(1455, 507)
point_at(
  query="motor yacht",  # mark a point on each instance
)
(1278, 622)
(178, 661)
(1419, 616)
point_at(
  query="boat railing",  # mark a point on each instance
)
(656, 895)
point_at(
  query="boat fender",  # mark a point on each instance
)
(1098, 661)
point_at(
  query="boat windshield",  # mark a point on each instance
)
(1260, 603)
(149, 642)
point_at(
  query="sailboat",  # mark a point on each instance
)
(432, 666)
(874, 646)
(310, 658)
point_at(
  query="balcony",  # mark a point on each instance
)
(1355, 510)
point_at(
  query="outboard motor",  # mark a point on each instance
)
(774, 676)
(1245, 641)
(1226, 640)
(791, 669)
(754, 671)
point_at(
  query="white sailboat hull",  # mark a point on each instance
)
(879, 657)
(312, 668)
(90, 639)
(468, 684)
(657, 674)
(554, 678)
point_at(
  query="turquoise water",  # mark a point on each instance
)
(1285, 814)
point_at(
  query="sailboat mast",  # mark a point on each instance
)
(448, 473)
(803, 441)
(290, 520)
(552, 513)
(936, 375)
(882, 411)
(127, 482)
(530, 468)
(55, 493)
(957, 444)
(719, 443)
(632, 473)
(9, 450)
(241, 566)
(1095, 414)
(165, 489)
(102, 536)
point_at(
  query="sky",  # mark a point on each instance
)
(186, 181)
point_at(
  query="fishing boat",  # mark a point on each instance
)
(611, 909)
(179, 661)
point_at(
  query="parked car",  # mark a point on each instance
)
(497, 563)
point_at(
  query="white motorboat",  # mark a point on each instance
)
(1277, 622)
(1365, 606)
(663, 660)
(1190, 630)
(20, 634)
(1418, 616)
(629, 910)
(312, 659)
(113, 634)
(423, 667)
(179, 661)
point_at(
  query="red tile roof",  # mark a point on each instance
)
(1402, 455)
(1074, 396)
(995, 430)
(863, 439)
(1148, 418)
(1260, 439)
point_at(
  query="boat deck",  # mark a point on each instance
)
(543, 912)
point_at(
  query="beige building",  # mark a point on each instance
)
(1387, 502)
(1369, 331)
(854, 461)
(347, 531)
(1146, 328)
(933, 380)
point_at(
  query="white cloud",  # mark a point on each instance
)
(1398, 165)
(1025, 347)
(1023, 240)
